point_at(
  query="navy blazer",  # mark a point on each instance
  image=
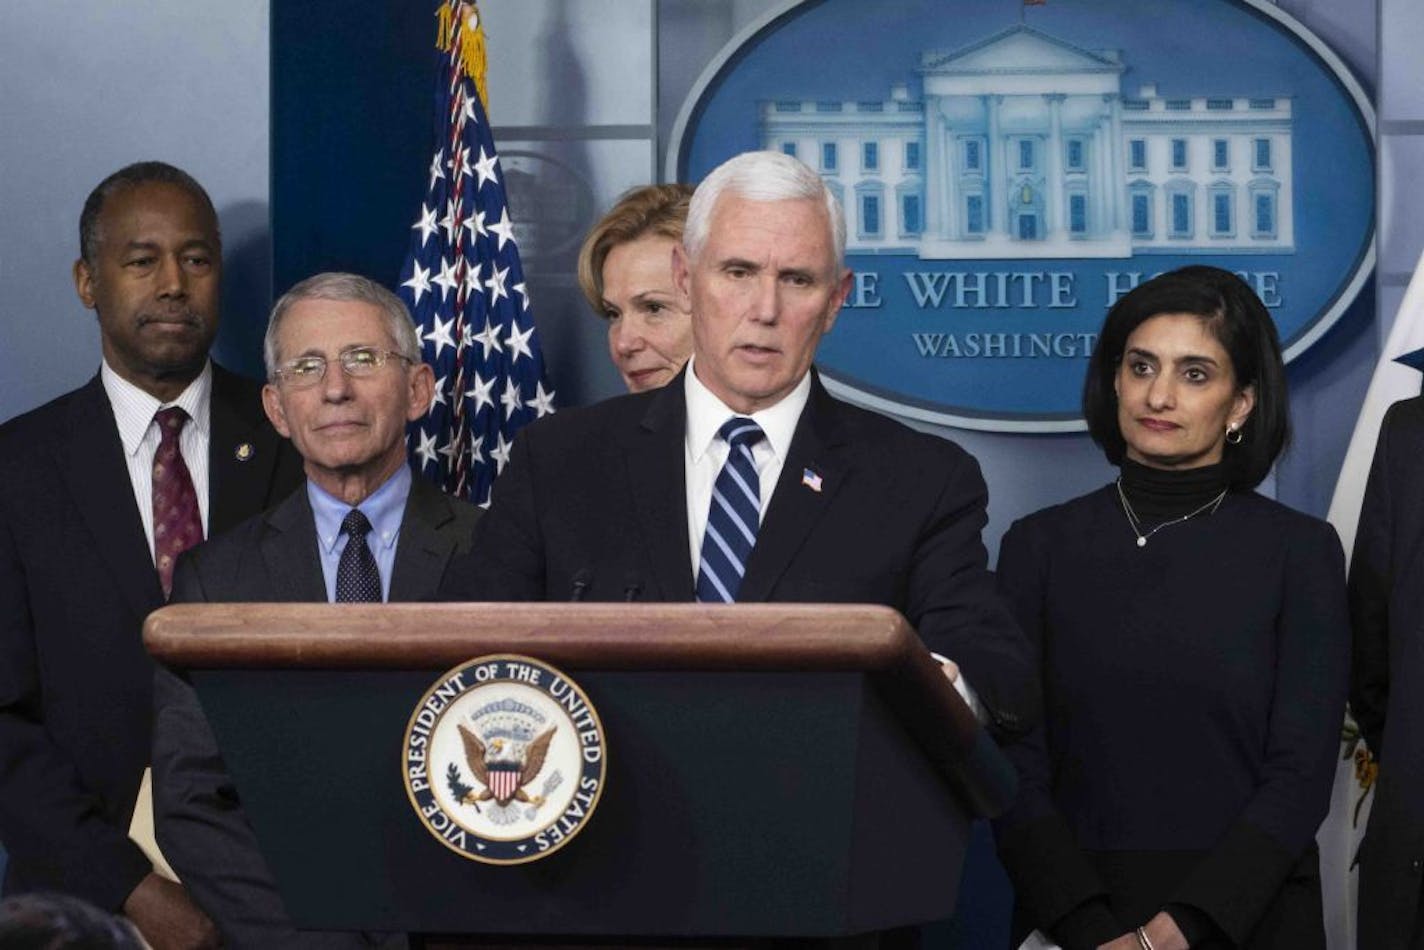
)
(598, 495)
(76, 582)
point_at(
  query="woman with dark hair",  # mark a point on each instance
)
(1194, 644)
(625, 273)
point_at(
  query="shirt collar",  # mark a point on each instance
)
(134, 409)
(384, 508)
(706, 414)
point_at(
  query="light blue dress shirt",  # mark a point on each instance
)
(384, 508)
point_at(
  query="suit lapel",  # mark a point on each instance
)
(93, 467)
(242, 452)
(423, 549)
(818, 446)
(657, 481)
(290, 553)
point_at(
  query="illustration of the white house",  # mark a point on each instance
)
(1024, 146)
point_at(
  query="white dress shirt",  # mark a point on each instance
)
(134, 410)
(706, 453)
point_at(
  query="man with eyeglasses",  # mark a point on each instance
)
(103, 488)
(345, 378)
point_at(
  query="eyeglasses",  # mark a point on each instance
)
(357, 362)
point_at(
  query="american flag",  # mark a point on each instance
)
(465, 288)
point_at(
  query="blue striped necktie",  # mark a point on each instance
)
(733, 517)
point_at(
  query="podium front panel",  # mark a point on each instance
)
(736, 804)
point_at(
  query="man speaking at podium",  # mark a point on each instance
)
(743, 479)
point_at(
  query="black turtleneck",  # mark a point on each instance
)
(1158, 494)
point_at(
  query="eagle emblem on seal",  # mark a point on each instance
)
(504, 767)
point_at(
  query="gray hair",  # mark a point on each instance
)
(761, 176)
(348, 287)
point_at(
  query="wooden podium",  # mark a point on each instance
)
(773, 770)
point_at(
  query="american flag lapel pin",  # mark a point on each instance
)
(811, 479)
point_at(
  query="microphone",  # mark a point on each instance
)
(583, 580)
(632, 588)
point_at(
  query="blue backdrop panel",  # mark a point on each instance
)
(351, 134)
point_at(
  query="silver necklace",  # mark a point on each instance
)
(1136, 523)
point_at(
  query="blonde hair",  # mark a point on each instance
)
(657, 210)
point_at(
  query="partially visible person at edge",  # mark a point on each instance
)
(103, 488)
(49, 921)
(1194, 644)
(625, 272)
(1387, 679)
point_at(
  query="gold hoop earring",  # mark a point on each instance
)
(1233, 431)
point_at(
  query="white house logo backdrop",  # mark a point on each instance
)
(1009, 171)
(504, 759)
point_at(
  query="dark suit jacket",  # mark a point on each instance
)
(598, 495)
(76, 581)
(197, 814)
(1387, 680)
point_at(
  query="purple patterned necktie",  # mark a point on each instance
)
(177, 523)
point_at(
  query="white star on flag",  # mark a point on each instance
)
(451, 222)
(505, 229)
(543, 402)
(473, 280)
(436, 172)
(500, 453)
(447, 281)
(463, 169)
(440, 336)
(518, 342)
(488, 339)
(419, 282)
(475, 224)
(425, 451)
(511, 399)
(480, 392)
(496, 285)
(484, 168)
(426, 225)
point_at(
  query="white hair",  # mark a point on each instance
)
(761, 176)
(335, 285)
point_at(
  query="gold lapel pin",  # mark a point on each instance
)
(243, 452)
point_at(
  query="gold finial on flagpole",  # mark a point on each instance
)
(461, 28)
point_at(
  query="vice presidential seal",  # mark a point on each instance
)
(504, 759)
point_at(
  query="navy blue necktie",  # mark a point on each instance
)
(358, 579)
(733, 517)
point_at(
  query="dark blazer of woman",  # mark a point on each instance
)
(1194, 686)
